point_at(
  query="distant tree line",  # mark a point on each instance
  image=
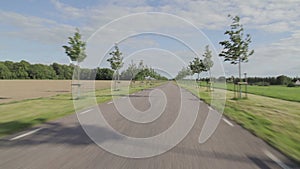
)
(260, 81)
(26, 70)
(279, 80)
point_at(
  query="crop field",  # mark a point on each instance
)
(16, 90)
(274, 91)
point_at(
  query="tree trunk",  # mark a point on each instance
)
(118, 78)
(115, 83)
(210, 80)
(198, 80)
(78, 80)
(240, 79)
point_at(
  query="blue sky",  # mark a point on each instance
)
(35, 30)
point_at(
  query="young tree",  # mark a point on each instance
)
(76, 52)
(76, 48)
(208, 63)
(183, 73)
(197, 66)
(129, 74)
(116, 62)
(236, 49)
(132, 69)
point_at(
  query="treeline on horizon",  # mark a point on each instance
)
(260, 81)
(26, 70)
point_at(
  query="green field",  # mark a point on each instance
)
(19, 115)
(274, 120)
(275, 91)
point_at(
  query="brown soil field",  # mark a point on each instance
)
(16, 90)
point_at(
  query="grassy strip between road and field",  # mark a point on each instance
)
(274, 91)
(275, 121)
(17, 116)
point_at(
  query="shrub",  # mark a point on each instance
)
(291, 85)
(263, 83)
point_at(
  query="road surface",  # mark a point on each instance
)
(62, 144)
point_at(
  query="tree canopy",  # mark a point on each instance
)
(76, 48)
(184, 72)
(134, 72)
(25, 70)
(116, 60)
(197, 66)
(236, 49)
(208, 63)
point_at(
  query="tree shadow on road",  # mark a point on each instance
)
(56, 133)
(10, 127)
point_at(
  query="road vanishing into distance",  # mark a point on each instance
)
(63, 144)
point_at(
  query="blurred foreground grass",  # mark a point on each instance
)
(274, 120)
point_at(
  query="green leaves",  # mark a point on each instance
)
(5, 73)
(116, 61)
(104, 74)
(208, 63)
(197, 66)
(76, 48)
(235, 49)
(183, 73)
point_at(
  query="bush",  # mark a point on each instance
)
(263, 83)
(291, 85)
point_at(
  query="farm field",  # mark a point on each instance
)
(274, 91)
(19, 115)
(274, 120)
(16, 90)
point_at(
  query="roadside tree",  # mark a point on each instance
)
(197, 66)
(236, 49)
(116, 62)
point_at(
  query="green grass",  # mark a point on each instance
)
(274, 120)
(274, 91)
(17, 116)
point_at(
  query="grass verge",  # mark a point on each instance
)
(275, 121)
(17, 116)
(274, 91)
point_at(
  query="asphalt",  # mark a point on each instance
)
(63, 144)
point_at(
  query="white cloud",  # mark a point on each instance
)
(35, 28)
(281, 57)
(277, 16)
(270, 16)
(68, 11)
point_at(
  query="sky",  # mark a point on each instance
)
(165, 34)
